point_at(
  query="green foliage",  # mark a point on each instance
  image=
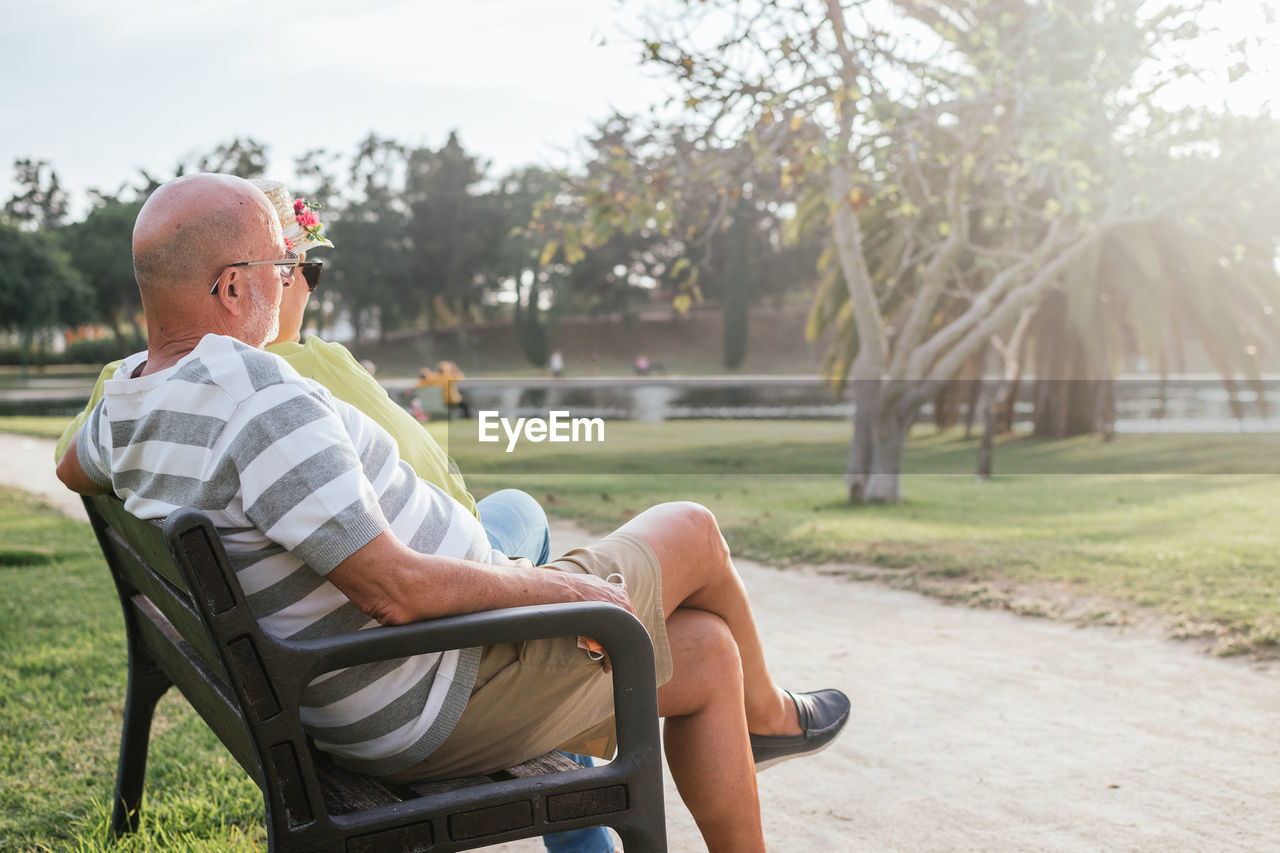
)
(61, 691)
(102, 350)
(455, 231)
(101, 249)
(38, 286)
(532, 335)
(370, 260)
(657, 210)
(246, 157)
(83, 351)
(40, 202)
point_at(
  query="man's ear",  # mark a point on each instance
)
(231, 291)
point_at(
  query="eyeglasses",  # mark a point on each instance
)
(311, 272)
(286, 265)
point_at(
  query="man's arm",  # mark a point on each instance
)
(99, 388)
(73, 476)
(396, 585)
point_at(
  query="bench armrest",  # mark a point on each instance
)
(623, 636)
(618, 631)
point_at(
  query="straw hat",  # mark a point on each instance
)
(298, 220)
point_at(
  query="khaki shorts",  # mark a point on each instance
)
(530, 698)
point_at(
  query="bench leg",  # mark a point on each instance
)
(147, 683)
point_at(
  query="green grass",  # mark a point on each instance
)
(1072, 528)
(61, 700)
(1199, 549)
(41, 426)
(1181, 525)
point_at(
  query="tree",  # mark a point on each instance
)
(656, 210)
(371, 261)
(245, 157)
(40, 202)
(960, 172)
(1204, 274)
(318, 183)
(519, 262)
(454, 230)
(38, 286)
(100, 248)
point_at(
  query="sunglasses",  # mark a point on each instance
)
(285, 265)
(311, 272)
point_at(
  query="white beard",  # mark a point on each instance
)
(265, 318)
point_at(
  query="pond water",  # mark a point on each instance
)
(1142, 404)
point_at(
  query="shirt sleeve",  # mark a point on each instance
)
(89, 448)
(64, 440)
(301, 479)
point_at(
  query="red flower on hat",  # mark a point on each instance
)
(304, 212)
(288, 244)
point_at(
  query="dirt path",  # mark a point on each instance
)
(980, 730)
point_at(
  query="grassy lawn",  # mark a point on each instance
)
(1181, 526)
(61, 700)
(1089, 532)
(41, 426)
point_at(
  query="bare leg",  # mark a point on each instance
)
(706, 733)
(697, 572)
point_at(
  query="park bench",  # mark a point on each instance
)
(187, 625)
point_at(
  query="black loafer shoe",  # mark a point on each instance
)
(823, 714)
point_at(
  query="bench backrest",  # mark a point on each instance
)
(185, 612)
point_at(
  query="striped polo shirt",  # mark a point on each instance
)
(295, 481)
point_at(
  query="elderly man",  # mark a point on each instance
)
(329, 531)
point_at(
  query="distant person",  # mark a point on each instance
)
(642, 365)
(557, 364)
(446, 377)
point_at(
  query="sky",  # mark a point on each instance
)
(100, 90)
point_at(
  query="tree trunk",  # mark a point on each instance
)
(976, 393)
(995, 404)
(1064, 394)
(879, 438)
(1104, 419)
(885, 483)
(986, 450)
(866, 410)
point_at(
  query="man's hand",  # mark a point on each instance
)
(595, 589)
(592, 588)
(396, 585)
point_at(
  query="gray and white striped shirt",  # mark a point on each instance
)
(295, 481)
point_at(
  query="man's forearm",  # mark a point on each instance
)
(397, 585)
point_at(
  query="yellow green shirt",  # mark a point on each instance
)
(334, 367)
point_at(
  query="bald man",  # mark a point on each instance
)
(331, 532)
